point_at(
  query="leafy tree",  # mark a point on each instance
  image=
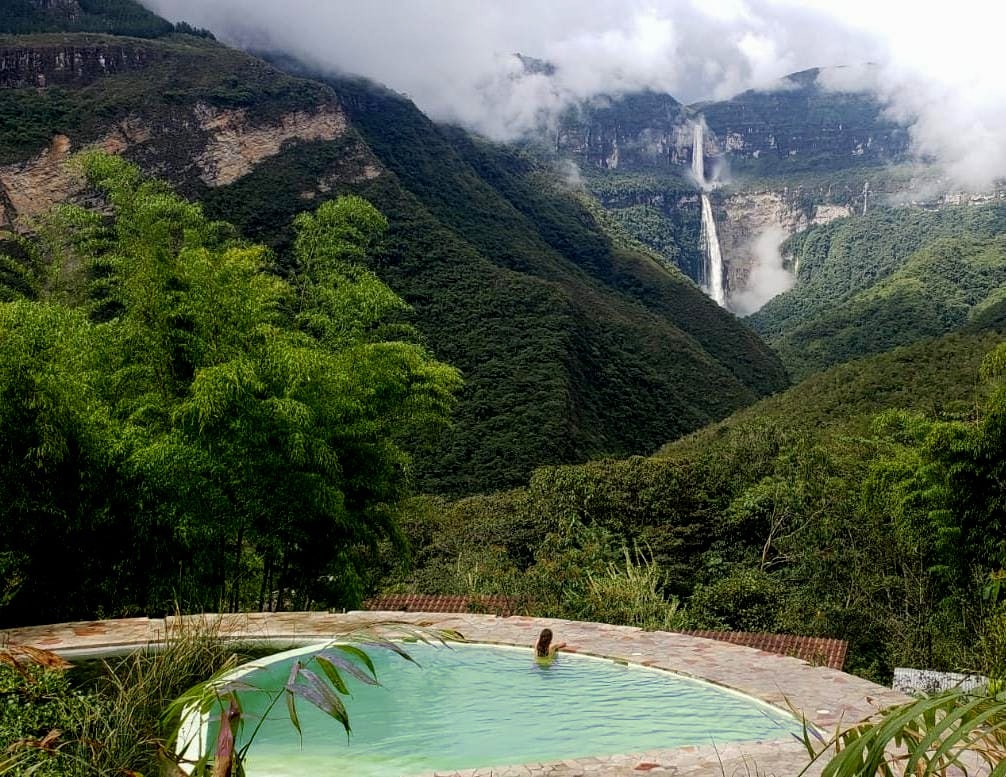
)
(246, 434)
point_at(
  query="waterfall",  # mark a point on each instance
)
(698, 158)
(709, 240)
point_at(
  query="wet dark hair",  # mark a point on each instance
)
(543, 643)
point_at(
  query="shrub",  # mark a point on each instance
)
(743, 600)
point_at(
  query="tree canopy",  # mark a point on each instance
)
(180, 424)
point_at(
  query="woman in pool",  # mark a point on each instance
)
(544, 650)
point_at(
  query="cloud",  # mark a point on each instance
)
(570, 174)
(938, 72)
(768, 277)
(454, 58)
(937, 67)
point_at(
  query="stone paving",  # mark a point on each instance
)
(825, 697)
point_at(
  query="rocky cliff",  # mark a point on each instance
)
(55, 63)
(752, 223)
(199, 114)
(779, 160)
(633, 132)
(225, 145)
(803, 126)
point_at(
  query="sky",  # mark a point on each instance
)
(938, 67)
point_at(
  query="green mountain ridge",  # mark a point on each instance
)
(868, 284)
(936, 376)
(572, 346)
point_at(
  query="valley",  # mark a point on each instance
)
(275, 336)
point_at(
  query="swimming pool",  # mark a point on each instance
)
(469, 706)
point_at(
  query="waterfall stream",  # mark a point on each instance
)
(710, 241)
(698, 155)
(714, 258)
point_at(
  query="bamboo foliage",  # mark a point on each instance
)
(951, 733)
(219, 418)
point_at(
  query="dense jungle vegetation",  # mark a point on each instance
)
(870, 283)
(864, 503)
(183, 426)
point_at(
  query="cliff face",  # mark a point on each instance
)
(800, 126)
(192, 111)
(788, 158)
(224, 145)
(803, 126)
(745, 218)
(633, 132)
(236, 144)
(69, 64)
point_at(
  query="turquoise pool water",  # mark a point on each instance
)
(470, 705)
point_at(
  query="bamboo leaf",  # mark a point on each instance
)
(322, 696)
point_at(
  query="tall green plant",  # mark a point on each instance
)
(236, 439)
(952, 733)
(319, 680)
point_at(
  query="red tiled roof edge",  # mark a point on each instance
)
(821, 651)
(499, 605)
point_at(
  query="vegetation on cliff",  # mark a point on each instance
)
(868, 284)
(161, 78)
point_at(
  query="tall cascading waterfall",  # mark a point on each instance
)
(698, 155)
(714, 256)
(709, 239)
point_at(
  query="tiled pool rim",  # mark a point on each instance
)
(826, 697)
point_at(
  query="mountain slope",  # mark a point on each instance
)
(572, 346)
(937, 376)
(594, 348)
(870, 283)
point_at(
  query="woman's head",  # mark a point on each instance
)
(543, 643)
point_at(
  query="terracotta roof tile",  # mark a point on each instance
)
(498, 605)
(819, 651)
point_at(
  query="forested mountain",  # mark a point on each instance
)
(571, 345)
(869, 283)
(814, 511)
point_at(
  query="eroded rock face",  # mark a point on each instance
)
(28, 189)
(635, 131)
(744, 217)
(227, 146)
(236, 146)
(64, 65)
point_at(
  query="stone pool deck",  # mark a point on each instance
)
(826, 697)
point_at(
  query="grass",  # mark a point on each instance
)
(111, 715)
